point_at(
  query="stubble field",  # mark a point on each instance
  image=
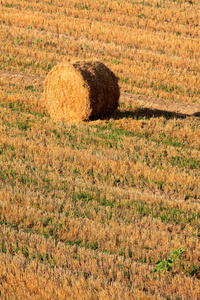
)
(87, 209)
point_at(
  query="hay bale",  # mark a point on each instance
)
(81, 90)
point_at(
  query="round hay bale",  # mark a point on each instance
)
(81, 90)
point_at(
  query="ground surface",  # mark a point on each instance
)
(153, 104)
(88, 209)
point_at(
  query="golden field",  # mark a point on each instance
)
(87, 209)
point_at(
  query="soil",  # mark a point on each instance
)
(19, 78)
(161, 105)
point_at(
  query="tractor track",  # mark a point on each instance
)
(153, 104)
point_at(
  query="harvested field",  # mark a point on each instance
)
(88, 209)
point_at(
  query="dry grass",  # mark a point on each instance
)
(82, 90)
(87, 209)
(152, 47)
(101, 190)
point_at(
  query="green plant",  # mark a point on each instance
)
(18, 40)
(82, 7)
(115, 61)
(194, 271)
(37, 41)
(166, 264)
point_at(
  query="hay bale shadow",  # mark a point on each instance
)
(147, 113)
(196, 114)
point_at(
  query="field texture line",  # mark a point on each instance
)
(187, 109)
